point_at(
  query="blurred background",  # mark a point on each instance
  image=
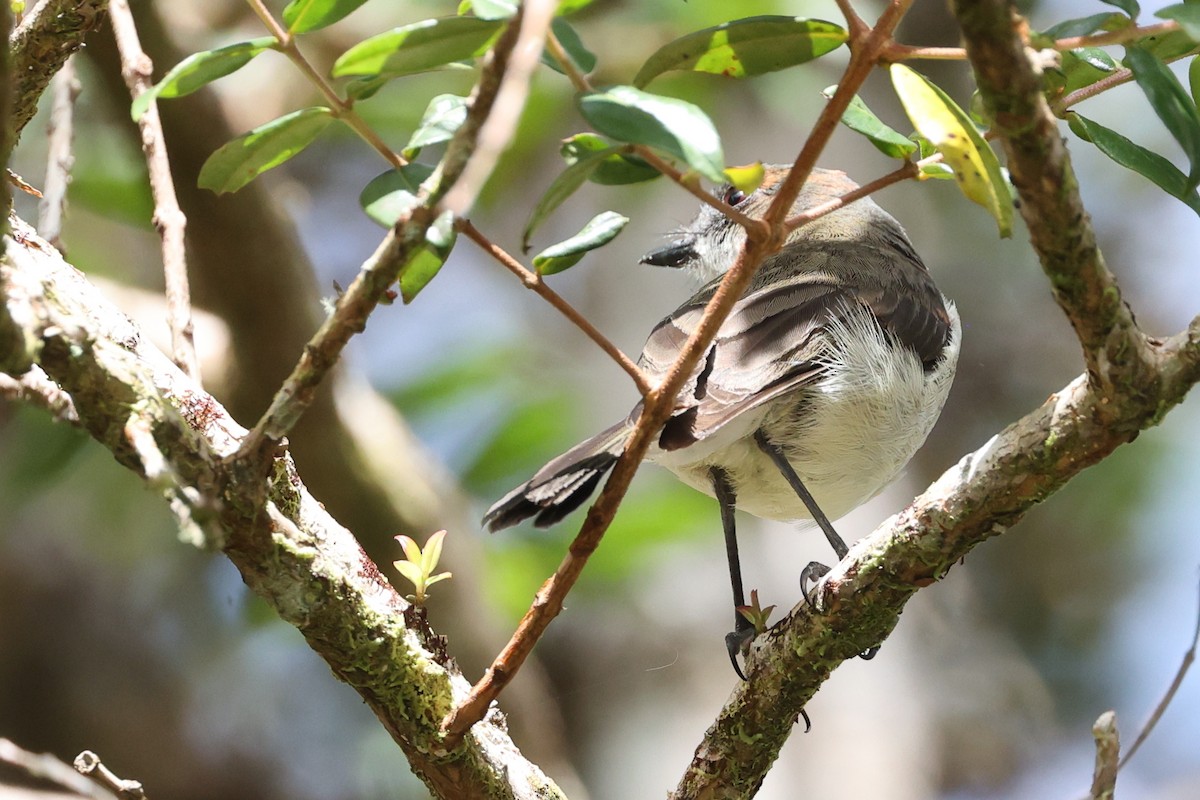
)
(116, 637)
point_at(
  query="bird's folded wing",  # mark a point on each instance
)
(775, 339)
(770, 343)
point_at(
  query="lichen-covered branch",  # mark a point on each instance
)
(288, 549)
(49, 33)
(987, 492)
(1131, 382)
(1059, 227)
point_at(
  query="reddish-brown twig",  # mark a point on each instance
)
(659, 403)
(534, 282)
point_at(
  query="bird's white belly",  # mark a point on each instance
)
(848, 436)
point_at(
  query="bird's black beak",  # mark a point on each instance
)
(676, 254)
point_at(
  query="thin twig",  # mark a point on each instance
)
(533, 281)
(659, 403)
(89, 764)
(1119, 36)
(46, 767)
(59, 158)
(1184, 665)
(1111, 81)
(865, 52)
(908, 52)
(169, 218)
(911, 169)
(36, 388)
(1108, 750)
(501, 124)
(581, 84)
(342, 109)
(380, 271)
(904, 52)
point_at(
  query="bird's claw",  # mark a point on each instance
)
(810, 578)
(738, 642)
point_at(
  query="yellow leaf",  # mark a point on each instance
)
(747, 178)
(940, 120)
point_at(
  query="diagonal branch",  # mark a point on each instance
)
(761, 241)
(381, 270)
(1131, 383)
(982, 496)
(288, 549)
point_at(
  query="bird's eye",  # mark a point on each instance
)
(734, 196)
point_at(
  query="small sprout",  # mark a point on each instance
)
(755, 613)
(418, 565)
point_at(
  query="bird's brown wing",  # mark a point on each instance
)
(774, 340)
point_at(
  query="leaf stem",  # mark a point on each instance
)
(534, 282)
(343, 109)
(581, 84)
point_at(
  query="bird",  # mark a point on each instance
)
(823, 381)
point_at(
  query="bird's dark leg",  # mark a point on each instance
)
(814, 571)
(789, 474)
(743, 630)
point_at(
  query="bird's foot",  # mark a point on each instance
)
(737, 642)
(810, 581)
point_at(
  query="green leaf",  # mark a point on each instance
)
(238, 162)
(302, 16)
(745, 47)
(1194, 79)
(938, 170)
(200, 69)
(394, 192)
(861, 119)
(566, 7)
(565, 185)
(615, 168)
(1187, 15)
(583, 59)
(1078, 68)
(419, 47)
(425, 264)
(1168, 46)
(365, 87)
(1084, 66)
(672, 126)
(950, 130)
(1135, 157)
(1069, 29)
(444, 115)
(601, 230)
(1130, 7)
(488, 9)
(1171, 102)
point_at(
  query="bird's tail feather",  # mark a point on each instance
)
(562, 485)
